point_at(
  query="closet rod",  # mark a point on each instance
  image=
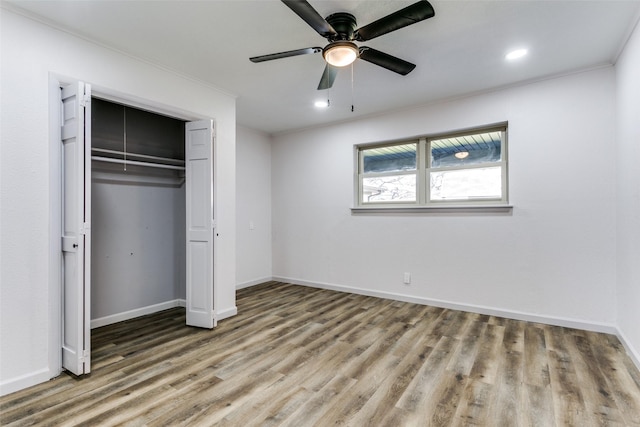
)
(136, 163)
(140, 156)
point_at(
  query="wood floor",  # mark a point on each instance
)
(298, 356)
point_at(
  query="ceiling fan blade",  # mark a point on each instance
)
(309, 15)
(286, 54)
(385, 60)
(328, 77)
(409, 15)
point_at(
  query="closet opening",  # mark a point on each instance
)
(138, 224)
(143, 190)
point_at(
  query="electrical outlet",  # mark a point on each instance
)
(252, 226)
(407, 278)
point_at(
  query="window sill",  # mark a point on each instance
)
(433, 209)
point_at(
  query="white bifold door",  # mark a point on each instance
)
(76, 227)
(200, 223)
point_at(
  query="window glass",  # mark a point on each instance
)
(393, 158)
(466, 184)
(466, 150)
(389, 188)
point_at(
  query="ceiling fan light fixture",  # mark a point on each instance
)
(340, 54)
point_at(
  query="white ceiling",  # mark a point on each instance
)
(459, 51)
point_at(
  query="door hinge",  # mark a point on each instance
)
(213, 223)
(86, 227)
(85, 100)
(85, 356)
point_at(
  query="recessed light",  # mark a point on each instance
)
(515, 54)
(321, 104)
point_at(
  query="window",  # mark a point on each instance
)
(459, 169)
(389, 173)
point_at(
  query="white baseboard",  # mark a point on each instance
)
(132, 314)
(491, 311)
(15, 384)
(632, 352)
(254, 282)
(226, 313)
(142, 311)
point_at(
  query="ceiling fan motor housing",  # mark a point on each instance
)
(345, 25)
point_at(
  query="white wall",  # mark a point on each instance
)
(552, 259)
(138, 244)
(253, 168)
(628, 207)
(30, 54)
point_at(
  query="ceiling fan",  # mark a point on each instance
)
(341, 32)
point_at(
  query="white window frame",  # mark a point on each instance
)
(423, 173)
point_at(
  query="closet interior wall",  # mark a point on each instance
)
(138, 212)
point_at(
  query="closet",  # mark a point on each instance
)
(137, 217)
(138, 254)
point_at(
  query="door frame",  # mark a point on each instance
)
(56, 81)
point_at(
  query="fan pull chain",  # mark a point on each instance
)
(352, 87)
(124, 137)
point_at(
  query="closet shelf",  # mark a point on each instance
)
(155, 180)
(138, 156)
(136, 163)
